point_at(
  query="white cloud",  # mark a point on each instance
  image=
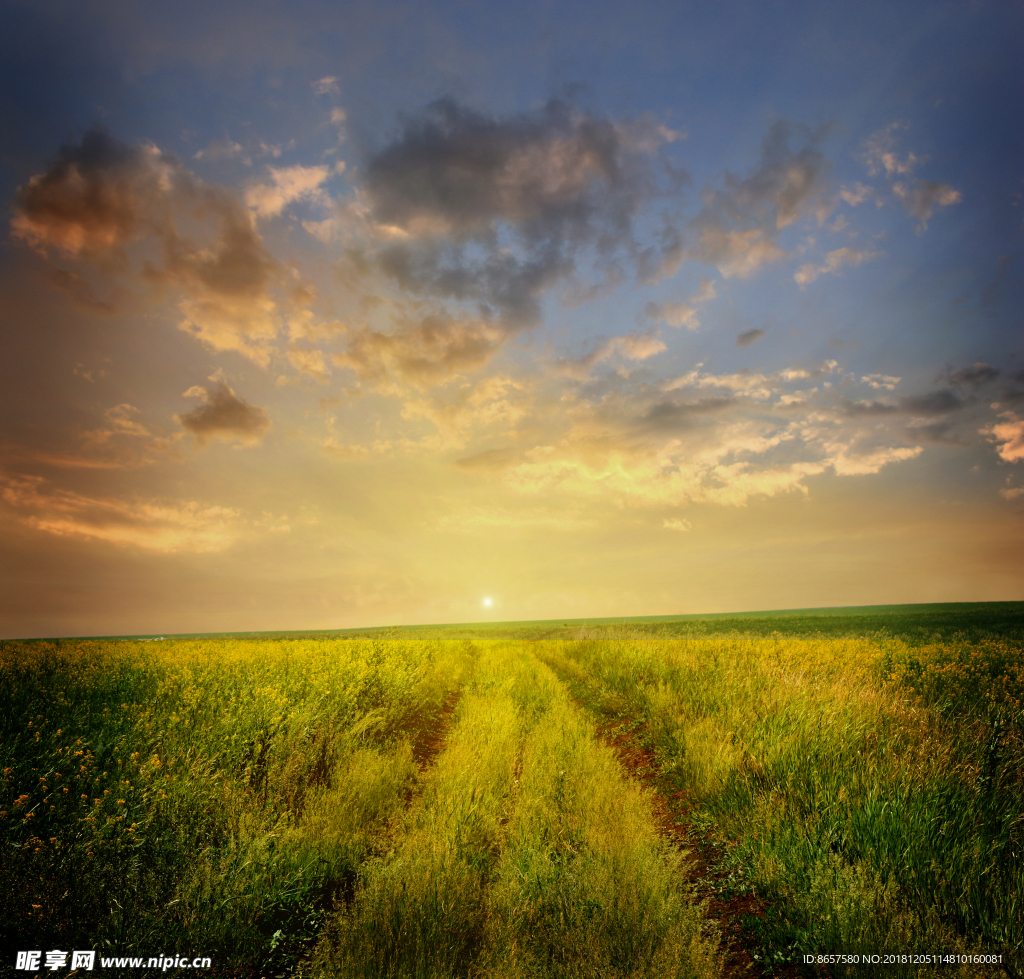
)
(326, 85)
(859, 194)
(834, 261)
(880, 381)
(676, 314)
(288, 184)
(881, 156)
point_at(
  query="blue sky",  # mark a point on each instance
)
(325, 315)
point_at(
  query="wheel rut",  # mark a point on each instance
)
(429, 739)
(671, 809)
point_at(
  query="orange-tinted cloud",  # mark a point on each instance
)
(423, 351)
(95, 198)
(102, 195)
(156, 525)
(1011, 434)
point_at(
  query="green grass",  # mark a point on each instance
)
(873, 789)
(290, 806)
(212, 796)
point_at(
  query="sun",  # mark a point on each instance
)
(488, 601)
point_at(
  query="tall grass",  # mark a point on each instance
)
(872, 789)
(527, 854)
(215, 796)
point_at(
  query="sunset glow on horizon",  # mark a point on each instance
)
(326, 316)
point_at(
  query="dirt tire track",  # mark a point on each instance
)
(430, 740)
(703, 862)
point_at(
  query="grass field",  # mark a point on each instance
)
(454, 801)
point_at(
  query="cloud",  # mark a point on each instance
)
(879, 381)
(652, 478)
(326, 86)
(674, 314)
(422, 351)
(737, 254)
(495, 404)
(921, 197)
(834, 261)
(786, 185)
(1011, 434)
(703, 438)
(674, 523)
(95, 198)
(223, 415)
(682, 314)
(980, 373)
(747, 338)
(869, 463)
(880, 155)
(632, 346)
(155, 525)
(859, 195)
(736, 228)
(481, 216)
(309, 361)
(227, 302)
(222, 149)
(553, 174)
(934, 403)
(102, 195)
(288, 184)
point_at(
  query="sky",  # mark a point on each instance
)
(326, 315)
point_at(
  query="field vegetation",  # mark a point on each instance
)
(445, 802)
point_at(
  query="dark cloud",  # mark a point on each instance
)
(980, 373)
(554, 175)
(481, 216)
(101, 195)
(494, 211)
(671, 414)
(497, 283)
(95, 196)
(749, 337)
(224, 415)
(934, 403)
